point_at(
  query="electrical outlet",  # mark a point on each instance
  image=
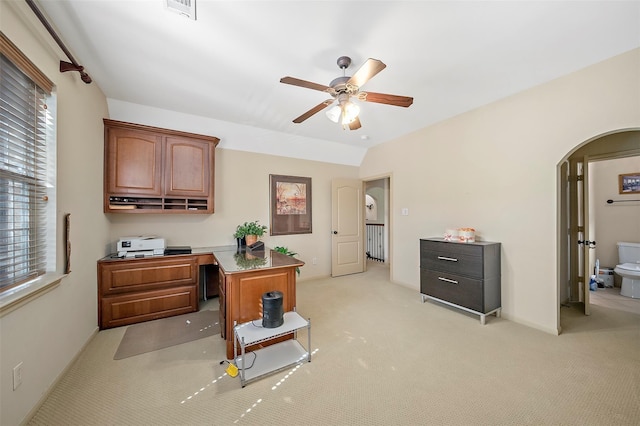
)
(314, 260)
(17, 376)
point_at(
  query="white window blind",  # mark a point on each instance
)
(26, 127)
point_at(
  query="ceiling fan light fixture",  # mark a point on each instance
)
(334, 113)
(350, 112)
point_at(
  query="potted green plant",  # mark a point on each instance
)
(239, 236)
(286, 251)
(251, 231)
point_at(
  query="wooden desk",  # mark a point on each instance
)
(244, 277)
(132, 290)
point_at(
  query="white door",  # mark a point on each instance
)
(589, 245)
(347, 221)
(580, 252)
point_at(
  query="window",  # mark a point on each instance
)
(27, 170)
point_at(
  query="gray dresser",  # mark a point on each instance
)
(464, 275)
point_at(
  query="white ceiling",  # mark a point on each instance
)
(450, 56)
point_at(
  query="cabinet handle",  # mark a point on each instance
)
(450, 259)
(448, 280)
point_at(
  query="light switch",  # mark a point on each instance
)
(405, 212)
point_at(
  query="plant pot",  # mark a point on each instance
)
(250, 239)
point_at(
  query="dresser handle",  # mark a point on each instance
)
(450, 259)
(448, 280)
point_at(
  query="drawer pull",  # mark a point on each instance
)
(450, 259)
(448, 280)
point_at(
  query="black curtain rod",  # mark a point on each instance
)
(64, 66)
(619, 201)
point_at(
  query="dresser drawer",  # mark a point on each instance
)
(462, 291)
(457, 263)
(452, 248)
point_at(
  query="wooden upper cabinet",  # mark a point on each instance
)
(153, 170)
(187, 167)
(134, 161)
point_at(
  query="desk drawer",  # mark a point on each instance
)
(139, 275)
(133, 308)
(453, 288)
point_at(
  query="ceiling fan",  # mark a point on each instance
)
(343, 88)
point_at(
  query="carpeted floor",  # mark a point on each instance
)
(380, 357)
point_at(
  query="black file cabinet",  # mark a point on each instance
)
(464, 275)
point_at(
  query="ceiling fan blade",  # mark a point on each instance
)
(366, 72)
(383, 98)
(303, 83)
(313, 110)
(355, 124)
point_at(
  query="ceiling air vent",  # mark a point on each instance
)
(183, 7)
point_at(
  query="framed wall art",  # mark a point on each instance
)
(290, 200)
(629, 183)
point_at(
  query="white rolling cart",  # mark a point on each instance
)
(272, 358)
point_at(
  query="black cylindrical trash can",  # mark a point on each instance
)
(272, 311)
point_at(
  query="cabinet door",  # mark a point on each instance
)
(134, 162)
(188, 167)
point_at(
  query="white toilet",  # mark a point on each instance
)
(629, 269)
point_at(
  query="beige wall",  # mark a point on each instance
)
(495, 168)
(617, 221)
(242, 194)
(47, 333)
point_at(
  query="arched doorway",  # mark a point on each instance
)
(576, 251)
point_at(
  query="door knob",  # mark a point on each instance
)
(335, 232)
(591, 244)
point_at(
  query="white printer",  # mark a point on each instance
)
(141, 246)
